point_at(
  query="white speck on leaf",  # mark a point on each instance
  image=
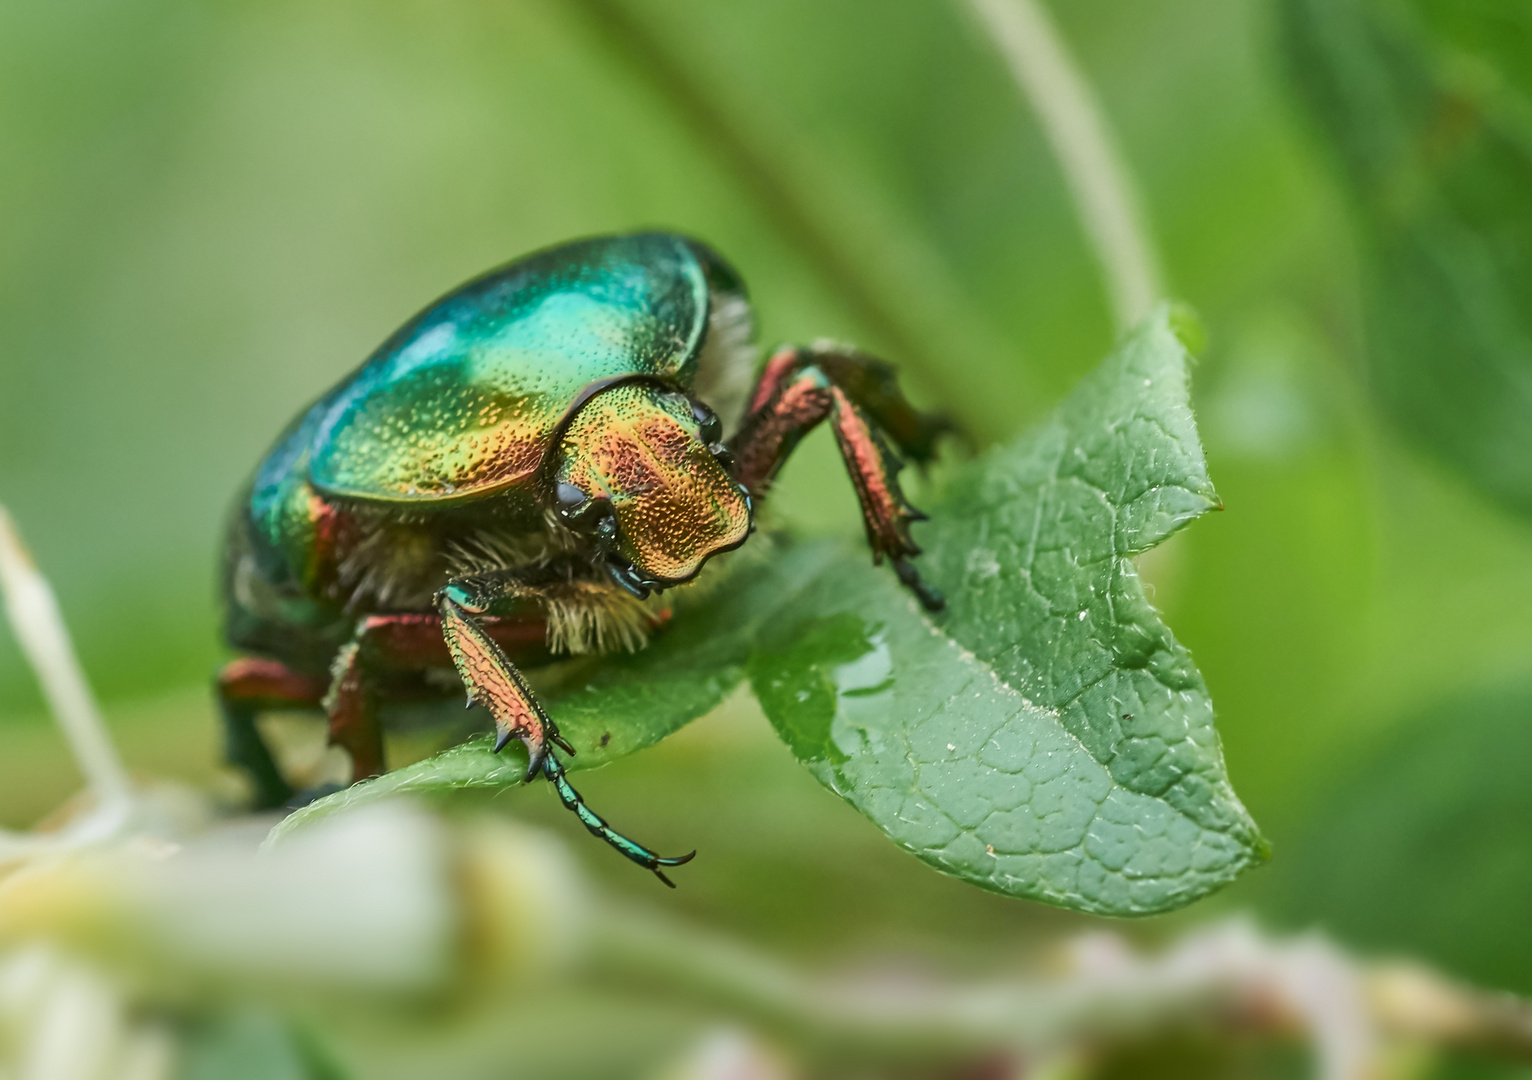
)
(983, 564)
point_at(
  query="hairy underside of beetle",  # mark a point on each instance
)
(397, 563)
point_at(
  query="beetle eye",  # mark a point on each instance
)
(707, 420)
(568, 497)
(583, 513)
(593, 517)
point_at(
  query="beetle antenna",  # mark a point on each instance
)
(554, 771)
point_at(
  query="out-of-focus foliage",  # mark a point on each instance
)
(1426, 840)
(1436, 146)
(252, 1044)
(213, 211)
(389, 941)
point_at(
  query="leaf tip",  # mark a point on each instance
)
(1187, 326)
(1260, 848)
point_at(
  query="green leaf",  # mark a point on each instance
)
(1436, 148)
(1046, 737)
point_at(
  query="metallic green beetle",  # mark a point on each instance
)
(516, 474)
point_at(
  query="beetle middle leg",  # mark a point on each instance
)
(802, 387)
(379, 643)
(393, 643)
(496, 683)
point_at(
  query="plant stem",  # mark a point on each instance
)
(34, 616)
(1228, 974)
(1100, 184)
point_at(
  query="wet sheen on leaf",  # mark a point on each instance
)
(1045, 737)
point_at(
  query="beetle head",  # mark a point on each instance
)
(642, 469)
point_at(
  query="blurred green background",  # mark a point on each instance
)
(211, 211)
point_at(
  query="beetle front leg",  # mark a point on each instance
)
(494, 682)
(593, 823)
(802, 387)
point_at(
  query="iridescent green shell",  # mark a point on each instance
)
(466, 398)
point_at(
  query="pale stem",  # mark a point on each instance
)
(34, 616)
(1349, 1009)
(1100, 185)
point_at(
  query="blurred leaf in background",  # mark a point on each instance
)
(1423, 106)
(1435, 143)
(1425, 841)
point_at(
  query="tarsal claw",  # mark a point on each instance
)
(537, 749)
